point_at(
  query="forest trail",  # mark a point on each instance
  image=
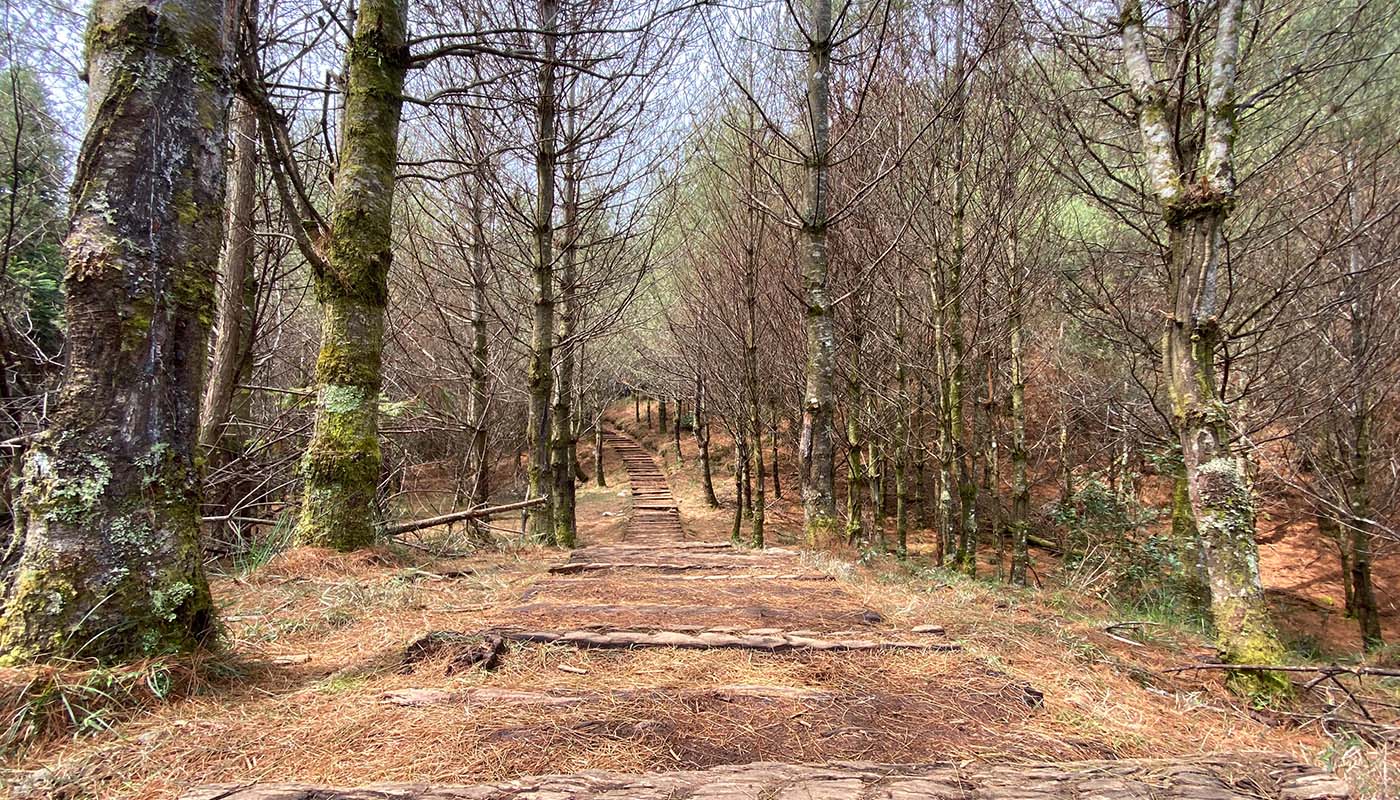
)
(833, 701)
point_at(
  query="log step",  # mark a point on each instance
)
(770, 640)
(1248, 776)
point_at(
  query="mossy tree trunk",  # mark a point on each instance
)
(1195, 203)
(819, 401)
(108, 501)
(856, 468)
(540, 377)
(562, 434)
(341, 468)
(1195, 583)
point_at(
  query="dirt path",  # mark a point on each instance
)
(787, 666)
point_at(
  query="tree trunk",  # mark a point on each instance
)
(773, 434)
(1359, 288)
(989, 491)
(342, 460)
(923, 497)
(1019, 523)
(661, 413)
(818, 437)
(563, 437)
(676, 432)
(740, 458)
(1222, 500)
(598, 476)
(1195, 581)
(478, 410)
(901, 453)
(540, 377)
(108, 501)
(747, 469)
(702, 441)
(232, 332)
(855, 447)
(960, 433)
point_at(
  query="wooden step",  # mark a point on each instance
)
(1246, 776)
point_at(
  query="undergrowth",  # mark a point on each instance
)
(41, 703)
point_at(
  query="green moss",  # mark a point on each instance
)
(822, 530)
(1257, 645)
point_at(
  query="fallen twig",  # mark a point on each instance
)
(1330, 669)
(458, 516)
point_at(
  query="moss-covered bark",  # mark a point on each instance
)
(341, 467)
(855, 456)
(108, 502)
(1217, 480)
(1195, 200)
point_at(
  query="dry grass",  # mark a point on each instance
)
(316, 638)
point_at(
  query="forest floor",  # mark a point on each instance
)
(327, 676)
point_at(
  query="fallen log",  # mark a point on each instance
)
(708, 640)
(772, 576)
(457, 516)
(489, 696)
(1247, 776)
